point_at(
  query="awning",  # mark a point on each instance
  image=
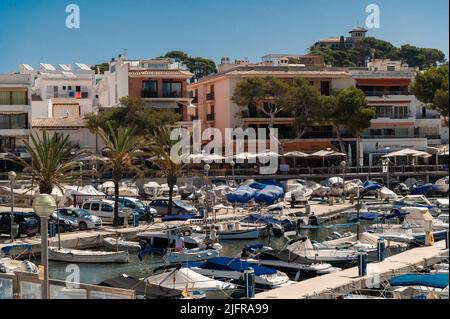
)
(408, 152)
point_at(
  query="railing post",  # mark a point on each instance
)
(362, 264)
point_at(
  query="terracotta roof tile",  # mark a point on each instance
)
(58, 122)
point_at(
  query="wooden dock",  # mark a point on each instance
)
(347, 281)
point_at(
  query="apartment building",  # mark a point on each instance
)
(15, 113)
(60, 98)
(401, 120)
(213, 97)
(161, 83)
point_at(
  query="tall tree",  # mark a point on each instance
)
(269, 95)
(431, 88)
(347, 109)
(132, 111)
(160, 147)
(305, 102)
(198, 66)
(52, 161)
(121, 146)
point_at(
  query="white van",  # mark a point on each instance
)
(105, 210)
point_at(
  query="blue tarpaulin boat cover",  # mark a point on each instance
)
(427, 280)
(227, 263)
(6, 249)
(269, 195)
(422, 189)
(257, 185)
(370, 186)
(243, 194)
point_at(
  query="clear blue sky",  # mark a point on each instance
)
(33, 31)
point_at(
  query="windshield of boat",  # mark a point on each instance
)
(180, 203)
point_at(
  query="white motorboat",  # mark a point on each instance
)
(152, 189)
(9, 265)
(195, 254)
(337, 258)
(190, 280)
(286, 261)
(164, 239)
(441, 185)
(120, 244)
(87, 256)
(226, 268)
(239, 231)
(387, 195)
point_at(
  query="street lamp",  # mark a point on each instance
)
(44, 205)
(12, 178)
(94, 174)
(232, 168)
(385, 162)
(343, 165)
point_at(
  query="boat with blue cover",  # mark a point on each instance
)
(232, 269)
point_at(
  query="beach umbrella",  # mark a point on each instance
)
(408, 152)
(296, 154)
(212, 157)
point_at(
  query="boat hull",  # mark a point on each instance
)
(91, 257)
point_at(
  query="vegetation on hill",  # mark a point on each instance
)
(357, 56)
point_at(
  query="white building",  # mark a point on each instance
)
(60, 99)
(401, 120)
(15, 112)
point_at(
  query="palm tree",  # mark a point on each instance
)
(52, 161)
(121, 146)
(160, 148)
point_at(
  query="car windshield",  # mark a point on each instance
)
(139, 204)
(180, 203)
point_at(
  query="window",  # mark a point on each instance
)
(391, 68)
(149, 89)
(13, 98)
(325, 87)
(95, 206)
(63, 212)
(86, 206)
(172, 89)
(14, 121)
(107, 208)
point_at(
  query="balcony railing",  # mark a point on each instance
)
(210, 117)
(427, 116)
(148, 94)
(210, 96)
(384, 93)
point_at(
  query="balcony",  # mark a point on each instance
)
(210, 96)
(148, 94)
(385, 93)
(210, 117)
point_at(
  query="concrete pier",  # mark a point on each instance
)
(347, 281)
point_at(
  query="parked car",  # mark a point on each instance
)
(145, 212)
(104, 209)
(64, 225)
(178, 207)
(84, 219)
(28, 223)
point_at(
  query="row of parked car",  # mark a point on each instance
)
(93, 214)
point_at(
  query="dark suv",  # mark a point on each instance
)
(28, 223)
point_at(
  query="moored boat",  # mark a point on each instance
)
(87, 256)
(120, 244)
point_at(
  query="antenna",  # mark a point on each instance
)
(125, 52)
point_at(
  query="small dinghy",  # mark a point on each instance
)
(87, 256)
(195, 254)
(387, 195)
(120, 244)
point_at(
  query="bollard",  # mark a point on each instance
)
(249, 279)
(362, 265)
(446, 240)
(380, 249)
(307, 209)
(52, 230)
